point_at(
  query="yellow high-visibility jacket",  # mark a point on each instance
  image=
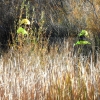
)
(21, 35)
(22, 31)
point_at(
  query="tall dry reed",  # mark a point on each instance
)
(31, 73)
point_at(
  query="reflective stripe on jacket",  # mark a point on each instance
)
(82, 43)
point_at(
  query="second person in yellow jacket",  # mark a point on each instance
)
(22, 31)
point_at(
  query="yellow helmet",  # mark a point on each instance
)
(25, 21)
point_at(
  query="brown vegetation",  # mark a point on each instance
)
(30, 72)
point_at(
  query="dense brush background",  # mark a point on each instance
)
(67, 16)
(47, 67)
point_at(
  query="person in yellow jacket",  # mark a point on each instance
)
(83, 44)
(82, 38)
(22, 31)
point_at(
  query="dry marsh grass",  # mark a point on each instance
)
(31, 73)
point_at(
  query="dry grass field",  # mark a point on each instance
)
(31, 73)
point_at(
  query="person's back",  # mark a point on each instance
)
(83, 45)
(83, 38)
